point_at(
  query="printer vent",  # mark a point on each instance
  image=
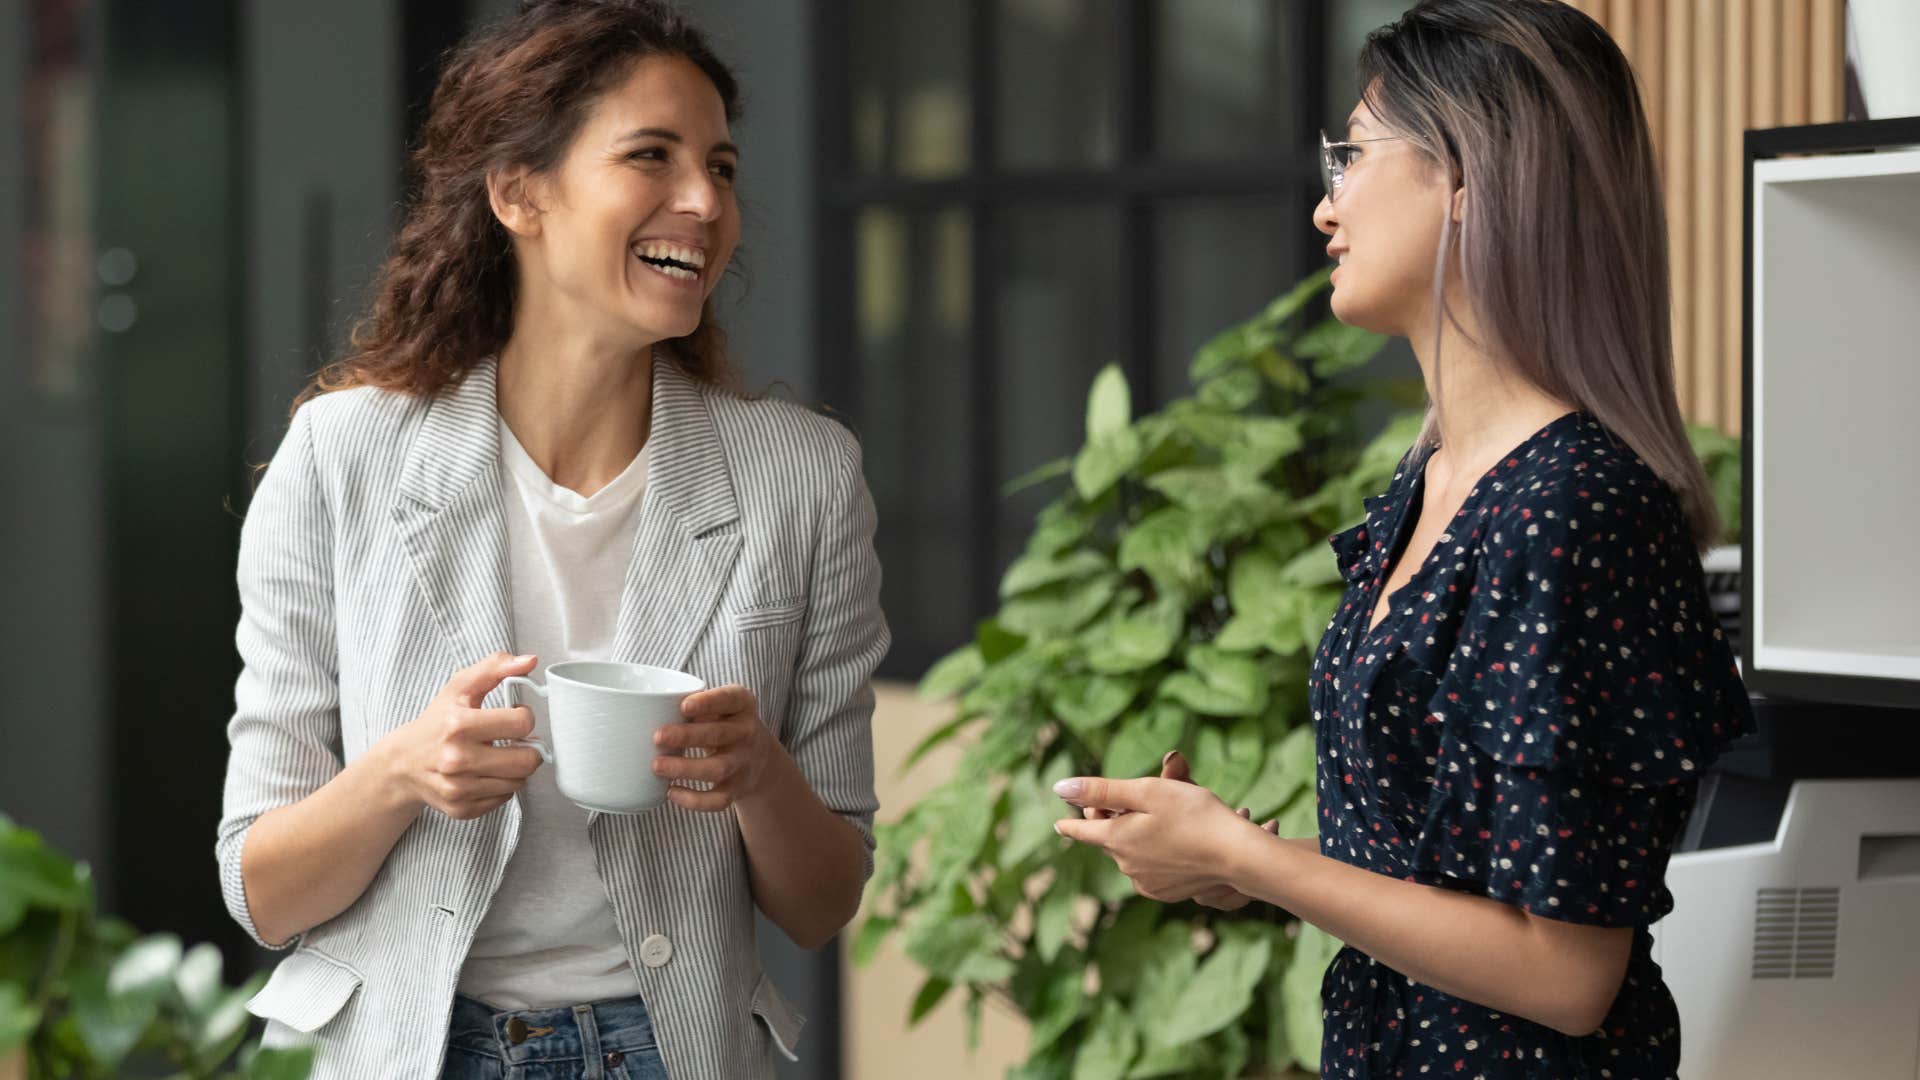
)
(1796, 933)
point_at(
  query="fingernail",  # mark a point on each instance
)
(523, 658)
(1069, 788)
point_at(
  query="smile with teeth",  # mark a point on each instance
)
(674, 260)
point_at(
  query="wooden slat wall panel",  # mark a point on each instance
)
(1709, 70)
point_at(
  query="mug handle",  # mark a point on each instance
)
(546, 755)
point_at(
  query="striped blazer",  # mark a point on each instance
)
(373, 564)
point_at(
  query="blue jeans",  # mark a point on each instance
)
(605, 1040)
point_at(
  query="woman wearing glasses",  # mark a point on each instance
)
(1523, 683)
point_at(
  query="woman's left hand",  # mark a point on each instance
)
(725, 723)
(1172, 841)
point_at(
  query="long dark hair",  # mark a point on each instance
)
(1532, 108)
(513, 94)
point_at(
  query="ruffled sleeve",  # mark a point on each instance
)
(1589, 688)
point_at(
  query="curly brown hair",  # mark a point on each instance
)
(512, 94)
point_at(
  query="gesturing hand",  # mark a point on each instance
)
(1174, 767)
(1170, 839)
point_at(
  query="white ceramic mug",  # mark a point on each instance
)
(601, 716)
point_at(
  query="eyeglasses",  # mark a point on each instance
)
(1336, 156)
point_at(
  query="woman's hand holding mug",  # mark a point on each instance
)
(446, 758)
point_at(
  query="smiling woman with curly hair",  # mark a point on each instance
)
(533, 453)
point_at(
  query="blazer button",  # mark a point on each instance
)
(656, 951)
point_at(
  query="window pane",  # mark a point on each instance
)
(914, 410)
(1219, 262)
(911, 110)
(1348, 24)
(1059, 281)
(1055, 82)
(1220, 77)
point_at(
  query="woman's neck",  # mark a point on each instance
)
(1483, 409)
(581, 408)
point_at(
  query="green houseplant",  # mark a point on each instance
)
(1170, 596)
(82, 995)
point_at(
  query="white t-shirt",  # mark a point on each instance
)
(549, 937)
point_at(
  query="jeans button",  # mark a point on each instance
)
(615, 1058)
(516, 1031)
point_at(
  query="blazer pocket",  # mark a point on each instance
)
(782, 1019)
(308, 989)
(777, 613)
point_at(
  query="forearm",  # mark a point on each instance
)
(1467, 946)
(805, 862)
(308, 861)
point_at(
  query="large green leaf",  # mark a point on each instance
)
(34, 875)
(1167, 544)
(108, 1024)
(1219, 683)
(1053, 914)
(1123, 948)
(1312, 567)
(1234, 345)
(1263, 441)
(1136, 640)
(1088, 702)
(1032, 808)
(1143, 739)
(1335, 347)
(219, 1033)
(1038, 475)
(953, 672)
(1034, 569)
(1165, 979)
(198, 979)
(1255, 584)
(871, 935)
(1109, 1046)
(1109, 405)
(963, 948)
(1058, 609)
(1006, 683)
(1286, 771)
(1296, 299)
(1221, 989)
(927, 997)
(1053, 996)
(1227, 761)
(965, 821)
(1313, 950)
(146, 969)
(1234, 390)
(1104, 460)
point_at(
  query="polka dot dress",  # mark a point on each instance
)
(1528, 722)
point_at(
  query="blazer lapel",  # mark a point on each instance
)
(683, 553)
(451, 519)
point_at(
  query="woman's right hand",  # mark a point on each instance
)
(445, 757)
(1174, 767)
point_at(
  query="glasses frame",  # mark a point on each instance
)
(1332, 173)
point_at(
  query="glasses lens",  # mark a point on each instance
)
(1328, 170)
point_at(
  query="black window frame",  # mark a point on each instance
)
(1137, 183)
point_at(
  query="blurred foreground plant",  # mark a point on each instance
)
(82, 995)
